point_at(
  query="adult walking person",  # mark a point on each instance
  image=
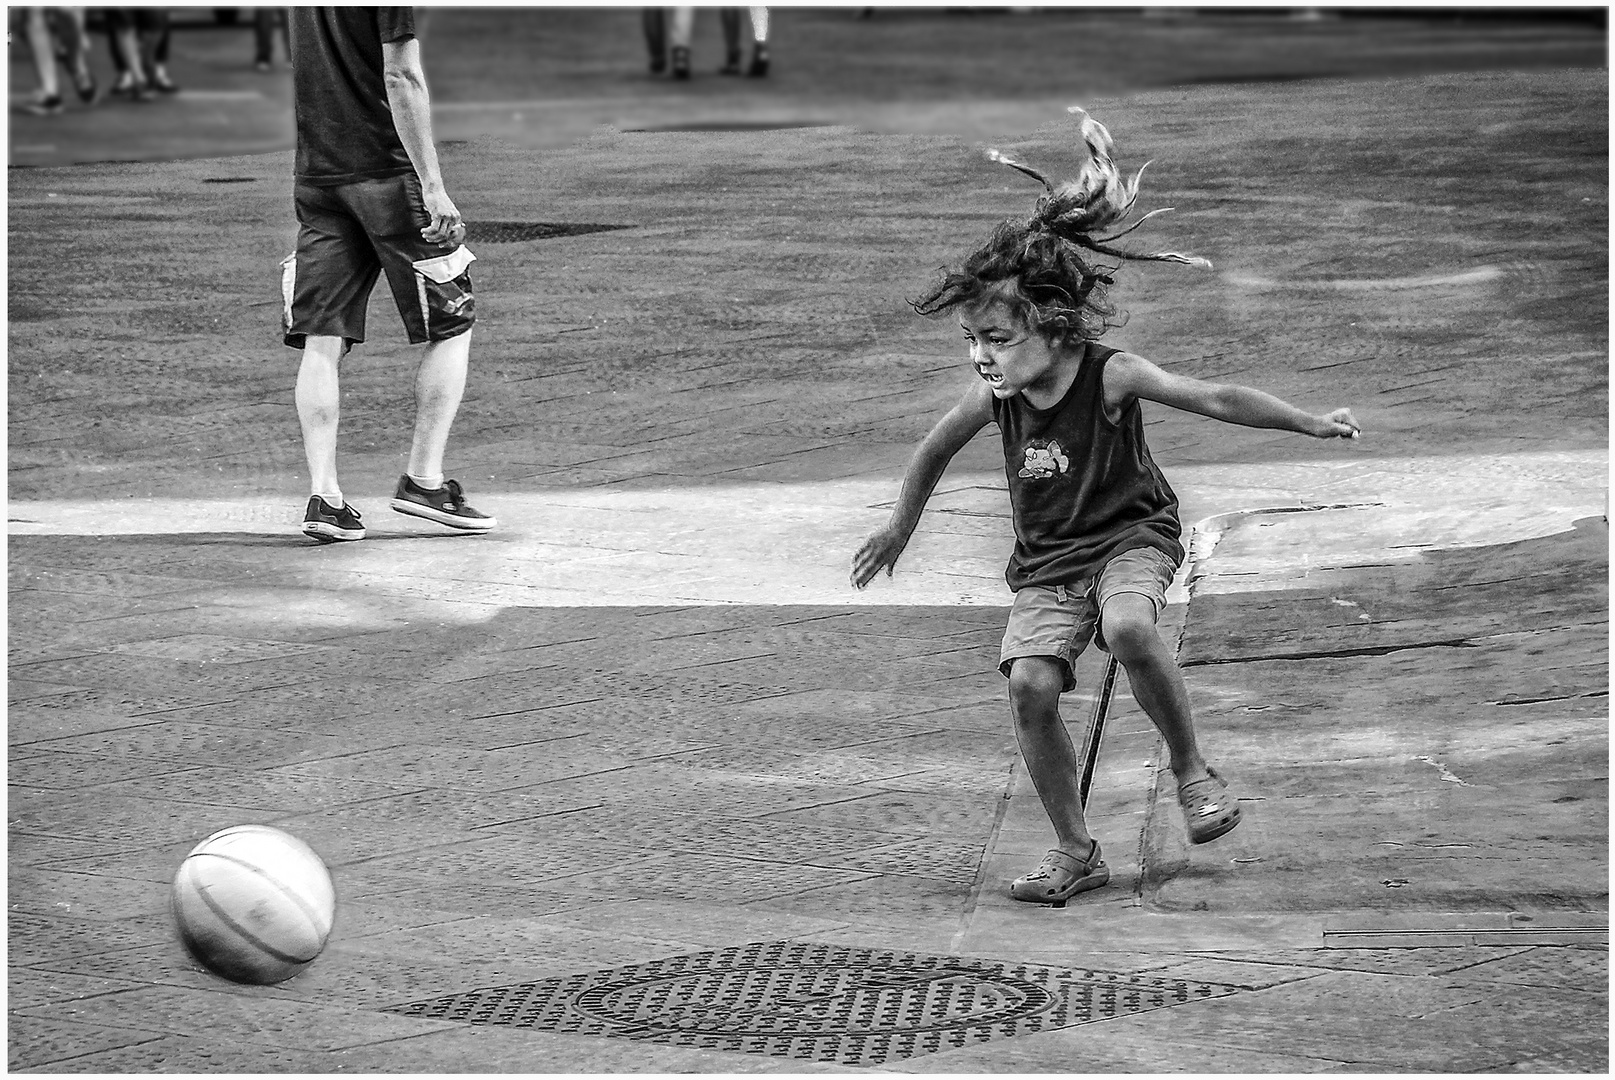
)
(370, 199)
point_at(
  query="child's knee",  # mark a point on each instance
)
(1036, 682)
(1129, 626)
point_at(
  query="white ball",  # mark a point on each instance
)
(254, 904)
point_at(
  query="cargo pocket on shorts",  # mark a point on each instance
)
(443, 290)
(288, 288)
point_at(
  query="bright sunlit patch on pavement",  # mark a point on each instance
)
(1478, 276)
(781, 544)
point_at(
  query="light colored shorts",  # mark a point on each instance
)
(1060, 620)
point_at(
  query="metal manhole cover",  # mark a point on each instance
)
(514, 232)
(816, 1002)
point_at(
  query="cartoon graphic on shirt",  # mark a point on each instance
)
(1044, 461)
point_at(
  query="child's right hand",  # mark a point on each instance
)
(880, 550)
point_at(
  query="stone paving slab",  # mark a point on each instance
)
(1398, 1033)
(1408, 793)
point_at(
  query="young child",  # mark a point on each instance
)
(1097, 538)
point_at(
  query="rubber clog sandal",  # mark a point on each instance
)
(1208, 808)
(1060, 876)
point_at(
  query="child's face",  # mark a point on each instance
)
(1005, 351)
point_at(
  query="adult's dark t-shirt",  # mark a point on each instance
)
(345, 127)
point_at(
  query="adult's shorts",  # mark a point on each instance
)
(347, 236)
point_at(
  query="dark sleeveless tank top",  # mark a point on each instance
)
(1081, 488)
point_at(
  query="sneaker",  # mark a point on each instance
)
(759, 62)
(681, 62)
(84, 84)
(731, 66)
(44, 106)
(327, 525)
(161, 82)
(445, 505)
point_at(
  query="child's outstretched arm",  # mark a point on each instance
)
(1128, 376)
(973, 412)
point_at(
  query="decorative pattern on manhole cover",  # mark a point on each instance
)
(816, 1002)
(514, 232)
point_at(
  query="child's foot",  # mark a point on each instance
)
(1208, 808)
(681, 62)
(1060, 876)
(731, 65)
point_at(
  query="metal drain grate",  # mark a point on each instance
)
(816, 1002)
(514, 232)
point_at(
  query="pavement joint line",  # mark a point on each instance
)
(1333, 654)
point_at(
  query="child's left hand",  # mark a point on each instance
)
(1339, 424)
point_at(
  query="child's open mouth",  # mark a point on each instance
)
(993, 378)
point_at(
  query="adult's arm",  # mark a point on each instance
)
(411, 107)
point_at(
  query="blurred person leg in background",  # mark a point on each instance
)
(155, 29)
(123, 39)
(139, 38)
(47, 100)
(730, 18)
(73, 49)
(759, 42)
(57, 35)
(265, 21)
(734, 54)
(654, 19)
(681, 28)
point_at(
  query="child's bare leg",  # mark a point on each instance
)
(1035, 683)
(1129, 627)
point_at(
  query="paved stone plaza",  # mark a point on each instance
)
(638, 782)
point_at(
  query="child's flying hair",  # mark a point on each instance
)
(1036, 264)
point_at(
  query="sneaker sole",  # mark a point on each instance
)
(330, 534)
(414, 509)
